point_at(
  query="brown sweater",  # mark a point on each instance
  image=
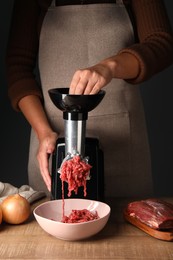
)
(154, 48)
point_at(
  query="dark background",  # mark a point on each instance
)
(158, 104)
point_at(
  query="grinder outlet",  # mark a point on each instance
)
(95, 186)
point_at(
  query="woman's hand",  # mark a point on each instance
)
(92, 80)
(33, 110)
(46, 147)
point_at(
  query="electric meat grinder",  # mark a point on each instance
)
(75, 114)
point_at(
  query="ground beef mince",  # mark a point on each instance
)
(79, 216)
(157, 214)
(75, 172)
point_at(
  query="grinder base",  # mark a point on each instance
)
(95, 186)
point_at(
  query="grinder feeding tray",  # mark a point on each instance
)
(75, 114)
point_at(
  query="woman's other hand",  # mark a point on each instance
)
(33, 110)
(46, 147)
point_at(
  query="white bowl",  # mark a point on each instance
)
(49, 216)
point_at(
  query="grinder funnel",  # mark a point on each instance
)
(75, 113)
(74, 103)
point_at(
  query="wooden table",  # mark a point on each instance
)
(118, 240)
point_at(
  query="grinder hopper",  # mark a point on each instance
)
(75, 110)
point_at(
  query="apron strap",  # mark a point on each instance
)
(53, 3)
(117, 2)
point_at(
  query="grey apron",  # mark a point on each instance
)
(79, 36)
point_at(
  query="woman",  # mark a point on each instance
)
(89, 45)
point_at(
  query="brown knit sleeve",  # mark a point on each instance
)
(154, 50)
(22, 51)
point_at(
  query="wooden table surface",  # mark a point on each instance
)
(118, 240)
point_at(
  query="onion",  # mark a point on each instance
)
(15, 209)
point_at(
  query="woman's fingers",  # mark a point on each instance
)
(90, 80)
(83, 82)
(46, 148)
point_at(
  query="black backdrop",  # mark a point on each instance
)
(157, 97)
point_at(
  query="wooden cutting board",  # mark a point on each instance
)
(162, 235)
